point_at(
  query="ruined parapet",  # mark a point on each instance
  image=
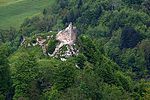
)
(40, 41)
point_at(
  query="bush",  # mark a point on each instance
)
(51, 46)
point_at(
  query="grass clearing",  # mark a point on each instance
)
(8, 2)
(13, 12)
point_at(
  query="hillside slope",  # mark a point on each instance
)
(111, 59)
(13, 12)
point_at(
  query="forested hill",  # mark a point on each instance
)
(112, 63)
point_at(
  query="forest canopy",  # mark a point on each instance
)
(113, 39)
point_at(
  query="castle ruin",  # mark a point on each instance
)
(66, 37)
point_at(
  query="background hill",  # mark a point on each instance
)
(13, 12)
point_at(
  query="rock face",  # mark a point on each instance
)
(42, 42)
(66, 37)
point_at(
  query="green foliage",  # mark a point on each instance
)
(139, 89)
(5, 81)
(47, 71)
(62, 3)
(90, 84)
(134, 59)
(133, 1)
(8, 35)
(2, 97)
(129, 38)
(80, 60)
(124, 81)
(111, 92)
(145, 47)
(88, 48)
(51, 46)
(52, 94)
(25, 76)
(106, 70)
(65, 75)
(146, 5)
(124, 17)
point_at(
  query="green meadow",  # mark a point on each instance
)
(13, 12)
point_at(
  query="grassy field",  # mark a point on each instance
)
(7, 2)
(13, 12)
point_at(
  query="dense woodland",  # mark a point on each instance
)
(114, 59)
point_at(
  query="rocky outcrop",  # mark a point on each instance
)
(66, 37)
